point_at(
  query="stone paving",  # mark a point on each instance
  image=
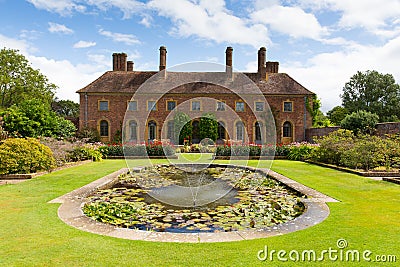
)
(71, 213)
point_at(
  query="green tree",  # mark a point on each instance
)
(20, 82)
(208, 126)
(182, 126)
(337, 114)
(360, 122)
(66, 108)
(32, 118)
(318, 117)
(374, 92)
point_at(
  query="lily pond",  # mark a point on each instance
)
(189, 200)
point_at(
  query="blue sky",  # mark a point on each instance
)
(321, 43)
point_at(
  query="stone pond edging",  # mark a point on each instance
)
(70, 211)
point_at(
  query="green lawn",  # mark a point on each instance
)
(367, 216)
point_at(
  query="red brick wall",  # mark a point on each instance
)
(118, 106)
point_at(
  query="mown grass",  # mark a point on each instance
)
(31, 234)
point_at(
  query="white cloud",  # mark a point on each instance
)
(11, 43)
(146, 21)
(128, 39)
(67, 76)
(63, 7)
(84, 44)
(292, 21)
(211, 21)
(59, 28)
(369, 14)
(326, 73)
(67, 7)
(128, 7)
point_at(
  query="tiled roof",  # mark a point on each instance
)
(188, 82)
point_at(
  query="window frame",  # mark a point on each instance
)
(243, 130)
(131, 132)
(128, 105)
(191, 105)
(258, 102)
(291, 105)
(148, 106)
(223, 105)
(101, 128)
(172, 101)
(240, 102)
(290, 130)
(103, 101)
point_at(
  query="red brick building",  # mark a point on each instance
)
(262, 105)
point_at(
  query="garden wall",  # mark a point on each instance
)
(318, 132)
(381, 130)
(387, 128)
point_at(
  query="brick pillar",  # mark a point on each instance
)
(130, 65)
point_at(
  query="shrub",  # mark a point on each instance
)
(90, 135)
(18, 155)
(366, 153)
(300, 151)
(282, 150)
(360, 122)
(332, 146)
(85, 152)
(362, 152)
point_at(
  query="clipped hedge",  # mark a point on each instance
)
(252, 150)
(22, 156)
(118, 150)
(86, 152)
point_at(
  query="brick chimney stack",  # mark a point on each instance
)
(163, 58)
(130, 65)
(119, 62)
(272, 67)
(262, 52)
(228, 60)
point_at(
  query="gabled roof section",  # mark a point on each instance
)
(130, 81)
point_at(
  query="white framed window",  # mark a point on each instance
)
(171, 105)
(103, 128)
(133, 131)
(152, 130)
(239, 106)
(288, 106)
(151, 105)
(259, 106)
(287, 129)
(196, 106)
(240, 131)
(132, 106)
(103, 105)
(221, 105)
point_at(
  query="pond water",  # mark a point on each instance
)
(189, 199)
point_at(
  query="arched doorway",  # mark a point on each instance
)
(152, 130)
(104, 130)
(221, 132)
(196, 132)
(287, 133)
(133, 131)
(240, 132)
(257, 133)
